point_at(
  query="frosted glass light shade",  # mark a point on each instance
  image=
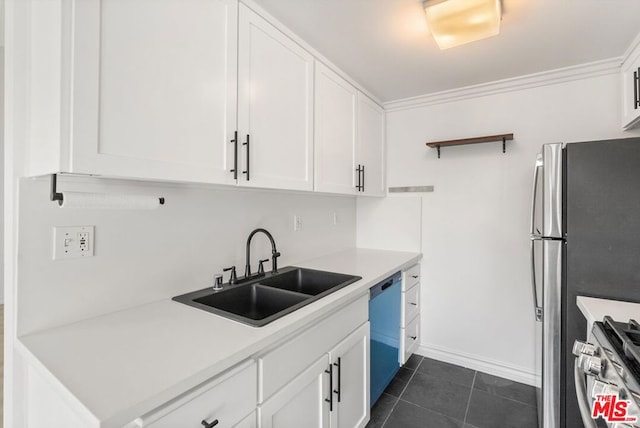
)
(456, 22)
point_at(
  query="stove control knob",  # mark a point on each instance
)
(591, 365)
(580, 348)
(603, 388)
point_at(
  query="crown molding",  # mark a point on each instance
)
(633, 50)
(545, 78)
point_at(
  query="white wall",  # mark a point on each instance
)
(476, 297)
(142, 256)
(392, 223)
(1, 152)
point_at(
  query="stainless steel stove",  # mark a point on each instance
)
(607, 375)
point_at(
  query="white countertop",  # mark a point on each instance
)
(595, 309)
(116, 367)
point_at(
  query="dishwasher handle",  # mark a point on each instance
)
(384, 285)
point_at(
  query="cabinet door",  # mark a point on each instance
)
(371, 147)
(275, 107)
(301, 403)
(350, 359)
(631, 91)
(154, 89)
(335, 132)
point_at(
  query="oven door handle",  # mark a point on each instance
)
(581, 394)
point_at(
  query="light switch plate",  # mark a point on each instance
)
(73, 242)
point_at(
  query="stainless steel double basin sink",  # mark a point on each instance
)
(266, 298)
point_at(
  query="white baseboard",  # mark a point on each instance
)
(475, 362)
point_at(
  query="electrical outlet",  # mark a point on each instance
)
(297, 223)
(73, 242)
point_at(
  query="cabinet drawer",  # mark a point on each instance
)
(410, 304)
(279, 366)
(410, 277)
(410, 339)
(228, 398)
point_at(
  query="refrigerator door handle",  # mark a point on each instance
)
(534, 193)
(536, 309)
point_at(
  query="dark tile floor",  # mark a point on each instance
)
(432, 394)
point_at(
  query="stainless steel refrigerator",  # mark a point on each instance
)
(585, 240)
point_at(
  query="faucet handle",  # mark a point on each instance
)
(261, 266)
(217, 282)
(274, 261)
(233, 278)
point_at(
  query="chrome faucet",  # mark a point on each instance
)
(274, 253)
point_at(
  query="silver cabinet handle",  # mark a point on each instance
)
(581, 393)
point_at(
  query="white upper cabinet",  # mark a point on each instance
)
(203, 91)
(631, 90)
(370, 178)
(275, 107)
(335, 132)
(149, 89)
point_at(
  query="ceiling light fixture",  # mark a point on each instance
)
(456, 22)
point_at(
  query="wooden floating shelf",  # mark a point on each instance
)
(475, 140)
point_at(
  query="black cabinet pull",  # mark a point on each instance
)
(363, 178)
(235, 155)
(247, 144)
(413, 304)
(338, 365)
(413, 337)
(358, 171)
(209, 425)
(636, 87)
(330, 399)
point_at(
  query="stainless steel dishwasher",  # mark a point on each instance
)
(384, 317)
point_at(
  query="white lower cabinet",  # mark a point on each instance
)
(410, 318)
(301, 403)
(229, 399)
(319, 378)
(332, 392)
(316, 378)
(350, 362)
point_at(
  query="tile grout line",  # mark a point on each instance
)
(401, 392)
(391, 411)
(509, 398)
(469, 400)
